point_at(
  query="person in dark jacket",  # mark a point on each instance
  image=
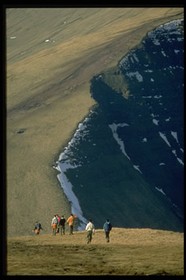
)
(62, 225)
(107, 228)
(37, 227)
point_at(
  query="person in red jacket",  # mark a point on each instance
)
(70, 222)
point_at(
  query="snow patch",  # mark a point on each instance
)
(155, 121)
(174, 134)
(163, 136)
(137, 168)
(137, 75)
(160, 190)
(114, 127)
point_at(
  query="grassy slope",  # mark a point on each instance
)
(48, 93)
(130, 252)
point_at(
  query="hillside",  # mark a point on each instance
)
(130, 252)
(52, 54)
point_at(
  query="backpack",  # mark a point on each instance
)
(107, 226)
(62, 221)
(38, 226)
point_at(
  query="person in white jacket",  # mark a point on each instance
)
(90, 231)
(54, 224)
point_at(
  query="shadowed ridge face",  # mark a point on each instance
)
(125, 154)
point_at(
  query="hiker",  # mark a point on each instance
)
(37, 228)
(90, 231)
(107, 228)
(70, 222)
(54, 224)
(62, 225)
(58, 220)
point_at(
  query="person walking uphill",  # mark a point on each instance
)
(54, 224)
(107, 228)
(70, 222)
(90, 231)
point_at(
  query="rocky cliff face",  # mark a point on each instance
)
(129, 155)
(152, 77)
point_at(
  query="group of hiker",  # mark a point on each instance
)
(58, 226)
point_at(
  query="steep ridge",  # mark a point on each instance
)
(125, 161)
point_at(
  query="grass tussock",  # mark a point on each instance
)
(114, 78)
(130, 252)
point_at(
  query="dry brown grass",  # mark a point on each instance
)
(130, 252)
(48, 94)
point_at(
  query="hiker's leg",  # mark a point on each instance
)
(107, 236)
(63, 229)
(70, 228)
(88, 237)
(54, 230)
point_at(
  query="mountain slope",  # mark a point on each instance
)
(51, 56)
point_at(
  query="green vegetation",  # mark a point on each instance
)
(113, 78)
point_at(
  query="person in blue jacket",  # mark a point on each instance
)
(37, 227)
(107, 228)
